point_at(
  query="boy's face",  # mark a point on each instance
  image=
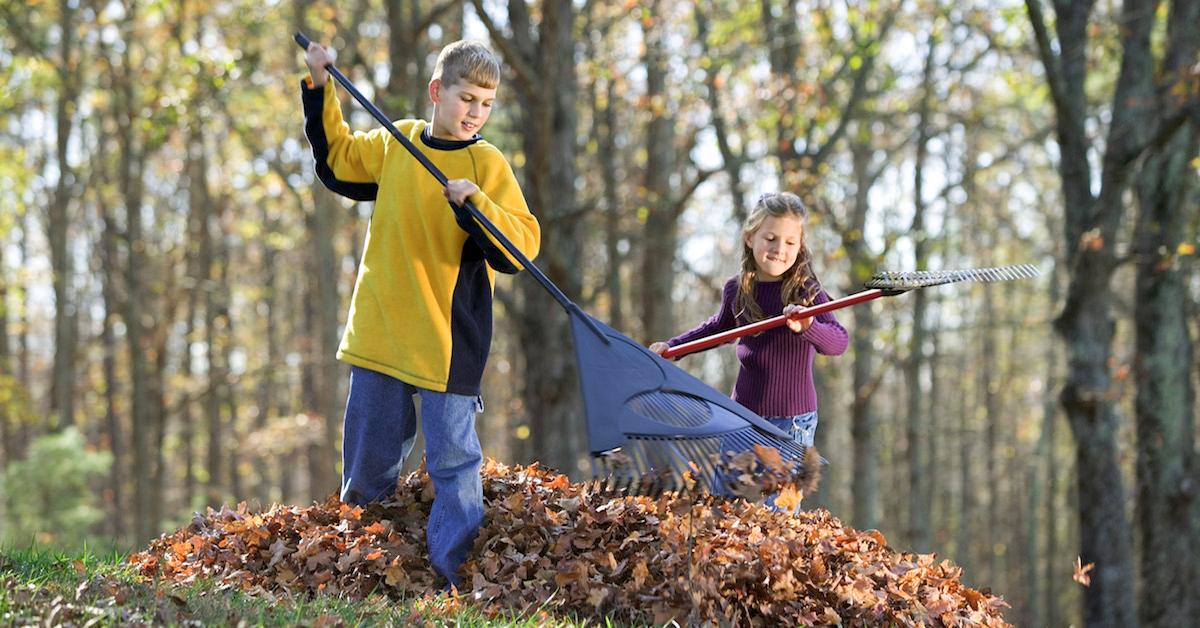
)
(460, 108)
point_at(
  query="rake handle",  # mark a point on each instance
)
(708, 342)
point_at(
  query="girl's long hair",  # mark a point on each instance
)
(799, 283)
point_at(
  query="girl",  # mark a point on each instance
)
(775, 379)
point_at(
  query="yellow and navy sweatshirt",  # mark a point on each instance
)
(422, 305)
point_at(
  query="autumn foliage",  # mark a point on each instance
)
(550, 544)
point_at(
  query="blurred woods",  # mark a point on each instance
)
(173, 279)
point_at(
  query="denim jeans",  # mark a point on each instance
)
(803, 429)
(379, 432)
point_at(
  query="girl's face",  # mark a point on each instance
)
(775, 245)
(459, 109)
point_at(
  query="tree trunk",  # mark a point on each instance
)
(131, 159)
(919, 537)
(8, 384)
(58, 224)
(1045, 610)
(964, 542)
(1165, 398)
(865, 483)
(108, 345)
(545, 54)
(613, 211)
(321, 374)
(989, 387)
(1085, 323)
(659, 233)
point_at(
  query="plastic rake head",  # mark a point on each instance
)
(902, 281)
(718, 465)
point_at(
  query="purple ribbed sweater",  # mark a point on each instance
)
(776, 376)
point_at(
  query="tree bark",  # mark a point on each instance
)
(59, 222)
(1165, 398)
(919, 534)
(108, 345)
(541, 54)
(1086, 323)
(989, 387)
(660, 229)
(865, 483)
(131, 159)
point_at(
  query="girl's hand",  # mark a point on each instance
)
(659, 347)
(800, 325)
(457, 190)
(317, 57)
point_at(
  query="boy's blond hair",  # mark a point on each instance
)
(470, 61)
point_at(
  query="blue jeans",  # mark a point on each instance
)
(378, 434)
(803, 429)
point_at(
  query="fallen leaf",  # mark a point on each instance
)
(1081, 572)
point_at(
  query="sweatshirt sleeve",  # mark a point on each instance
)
(723, 320)
(501, 201)
(826, 334)
(347, 163)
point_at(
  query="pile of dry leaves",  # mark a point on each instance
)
(548, 543)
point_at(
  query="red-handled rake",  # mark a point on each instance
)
(651, 426)
(882, 284)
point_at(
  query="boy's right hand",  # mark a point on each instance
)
(317, 57)
(659, 347)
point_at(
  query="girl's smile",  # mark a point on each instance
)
(775, 245)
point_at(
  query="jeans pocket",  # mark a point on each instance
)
(478, 404)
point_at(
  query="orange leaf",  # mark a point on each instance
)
(1081, 572)
(771, 458)
(559, 482)
(789, 499)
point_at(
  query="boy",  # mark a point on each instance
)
(420, 320)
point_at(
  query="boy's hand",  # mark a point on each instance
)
(317, 57)
(659, 347)
(800, 325)
(457, 190)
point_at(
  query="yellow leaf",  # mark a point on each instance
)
(1186, 248)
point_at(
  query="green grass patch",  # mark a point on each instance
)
(46, 586)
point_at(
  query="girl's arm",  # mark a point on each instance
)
(825, 333)
(724, 318)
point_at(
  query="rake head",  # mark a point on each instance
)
(903, 281)
(741, 463)
(653, 427)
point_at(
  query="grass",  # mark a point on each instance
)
(46, 586)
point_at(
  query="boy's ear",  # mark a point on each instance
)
(435, 88)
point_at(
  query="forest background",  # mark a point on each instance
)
(173, 279)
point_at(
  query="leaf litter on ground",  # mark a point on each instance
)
(550, 544)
